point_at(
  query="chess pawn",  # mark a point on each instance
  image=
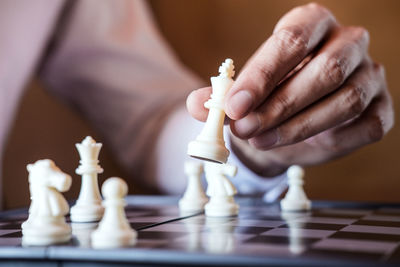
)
(296, 232)
(194, 197)
(114, 230)
(295, 199)
(88, 207)
(221, 190)
(221, 237)
(210, 145)
(46, 222)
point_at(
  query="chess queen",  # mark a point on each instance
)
(88, 207)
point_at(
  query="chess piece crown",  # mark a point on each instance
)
(89, 152)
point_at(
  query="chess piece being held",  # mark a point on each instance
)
(194, 197)
(221, 190)
(210, 145)
(88, 207)
(114, 230)
(46, 222)
(295, 199)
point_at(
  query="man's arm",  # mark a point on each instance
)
(111, 63)
(25, 27)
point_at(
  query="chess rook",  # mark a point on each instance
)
(194, 197)
(295, 199)
(221, 190)
(114, 230)
(88, 207)
(210, 145)
(46, 222)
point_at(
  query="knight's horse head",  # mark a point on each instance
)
(45, 173)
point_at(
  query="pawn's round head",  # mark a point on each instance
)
(114, 188)
(295, 171)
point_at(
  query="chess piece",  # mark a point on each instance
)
(210, 145)
(221, 238)
(46, 222)
(221, 190)
(194, 227)
(295, 199)
(296, 232)
(82, 232)
(88, 207)
(114, 230)
(194, 197)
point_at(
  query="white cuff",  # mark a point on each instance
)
(171, 151)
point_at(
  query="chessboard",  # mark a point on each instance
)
(332, 233)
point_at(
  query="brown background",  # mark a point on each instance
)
(203, 33)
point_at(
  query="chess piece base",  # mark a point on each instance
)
(45, 234)
(102, 239)
(87, 212)
(210, 151)
(221, 209)
(290, 205)
(192, 204)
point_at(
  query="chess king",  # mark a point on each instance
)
(210, 145)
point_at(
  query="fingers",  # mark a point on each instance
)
(294, 37)
(344, 104)
(366, 129)
(331, 66)
(195, 103)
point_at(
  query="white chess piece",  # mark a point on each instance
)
(114, 230)
(194, 197)
(296, 232)
(210, 145)
(194, 228)
(46, 222)
(82, 233)
(88, 207)
(221, 238)
(295, 199)
(221, 190)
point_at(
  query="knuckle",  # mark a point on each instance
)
(302, 132)
(335, 70)
(360, 33)
(294, 38)
(376, 129)
(355, 100)
(317, 7)
(265, 72)
(328, 141)
(379, 69)
(283, 106)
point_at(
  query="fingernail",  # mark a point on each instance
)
(248, 125)
(266, 139)
(240, 104)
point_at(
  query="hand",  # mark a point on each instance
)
(309, 94)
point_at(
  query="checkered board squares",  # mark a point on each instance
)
(323, 233)
(260, 231)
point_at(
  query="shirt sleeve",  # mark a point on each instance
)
(171, 150)
(111, 64)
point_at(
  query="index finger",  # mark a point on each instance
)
(294, 37)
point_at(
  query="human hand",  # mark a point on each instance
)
(309, 94)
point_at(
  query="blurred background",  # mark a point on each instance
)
(203, 33)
